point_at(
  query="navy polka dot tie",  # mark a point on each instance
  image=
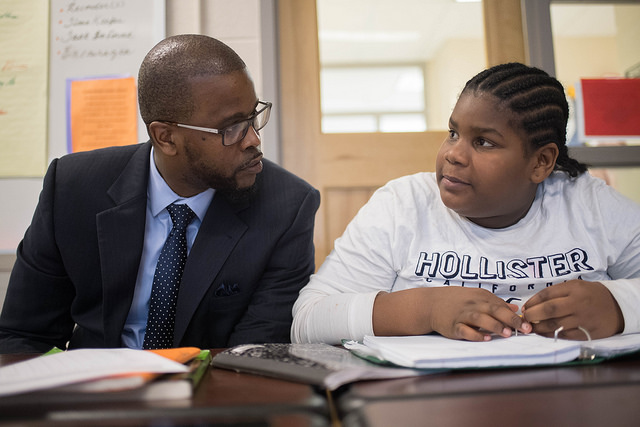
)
(166, 280)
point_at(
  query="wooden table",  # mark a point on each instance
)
(223, 398)
(605, 394)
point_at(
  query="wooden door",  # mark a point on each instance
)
(347, 168)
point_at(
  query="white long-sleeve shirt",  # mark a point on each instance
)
(405, 237)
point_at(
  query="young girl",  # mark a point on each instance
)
(508, 233)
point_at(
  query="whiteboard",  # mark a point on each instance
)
(92, 39)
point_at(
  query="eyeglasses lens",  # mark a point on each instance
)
(261, 120)
(237, 132)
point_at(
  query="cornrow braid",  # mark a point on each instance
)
(538, 101)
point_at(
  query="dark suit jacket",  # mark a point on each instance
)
(76, 267)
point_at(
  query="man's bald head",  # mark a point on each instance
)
(164, 89)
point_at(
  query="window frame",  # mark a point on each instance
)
(540, 53)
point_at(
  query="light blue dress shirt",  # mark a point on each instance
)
(157, 227)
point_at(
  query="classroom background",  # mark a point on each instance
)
(362, 90)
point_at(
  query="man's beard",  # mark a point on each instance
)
(240, 195)
(226, 185)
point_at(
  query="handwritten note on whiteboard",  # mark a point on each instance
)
(23, 87)
(90, 40)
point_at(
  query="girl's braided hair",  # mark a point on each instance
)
(538, 102)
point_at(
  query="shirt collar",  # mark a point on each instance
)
(160, 195)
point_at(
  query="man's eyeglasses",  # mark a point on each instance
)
(236, 132)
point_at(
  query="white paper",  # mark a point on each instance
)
(434, 351)
(615, 345)
(80, 365)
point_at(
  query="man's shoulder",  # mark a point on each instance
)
(274, 174)
(104, 162)
(99, 168)
(108, 154)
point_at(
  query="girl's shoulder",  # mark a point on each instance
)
(418, 182)
(585, 189)
(409, 193)
(421, 186)
(561, 181)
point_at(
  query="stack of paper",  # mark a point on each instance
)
(437, 352)
(104, 374)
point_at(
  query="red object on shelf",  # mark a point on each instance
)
(611, 107)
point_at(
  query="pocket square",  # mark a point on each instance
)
(225, 290)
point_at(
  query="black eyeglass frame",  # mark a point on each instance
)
(251, 120)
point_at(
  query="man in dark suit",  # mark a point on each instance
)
(85, 268)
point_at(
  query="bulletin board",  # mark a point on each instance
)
(23, 87)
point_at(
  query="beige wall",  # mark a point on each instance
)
(446, 73)
(237, 23)
(627, 20)
(574, 58)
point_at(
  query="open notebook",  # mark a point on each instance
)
(437, 352)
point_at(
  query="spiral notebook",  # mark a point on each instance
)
(438, 352)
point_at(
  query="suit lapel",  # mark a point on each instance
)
(218, 235)
(120, 239)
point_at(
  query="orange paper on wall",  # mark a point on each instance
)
(102, 113)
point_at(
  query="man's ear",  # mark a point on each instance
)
(545, 161)
(163, 137)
